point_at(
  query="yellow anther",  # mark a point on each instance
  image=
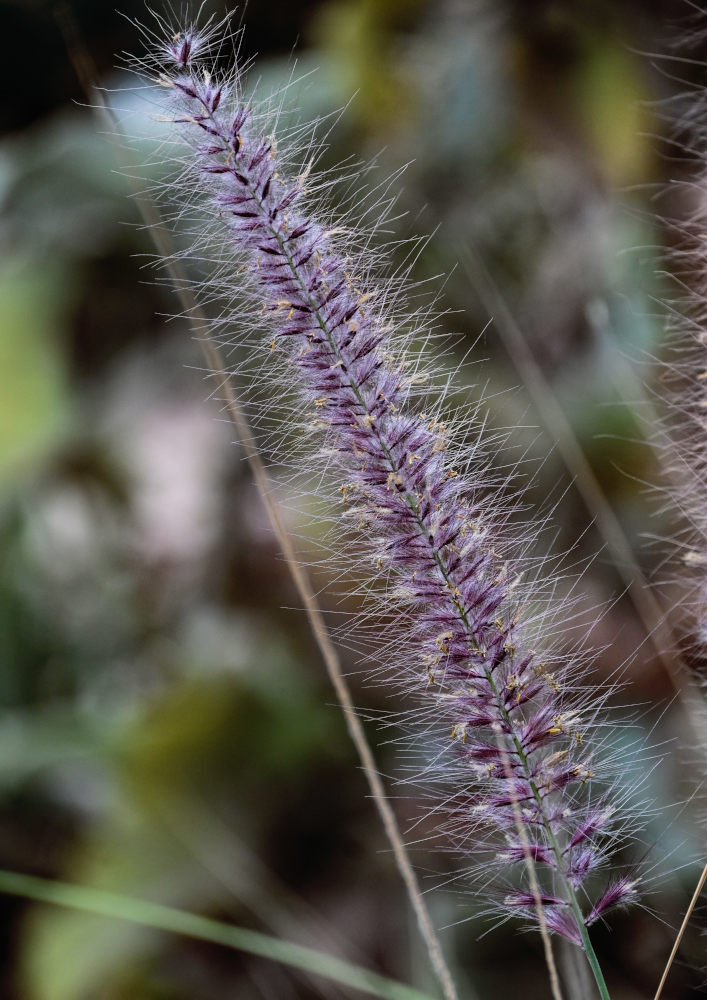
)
(442, 641)
(558, 725)
(584, 773)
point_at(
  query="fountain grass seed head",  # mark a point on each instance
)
(516, 745)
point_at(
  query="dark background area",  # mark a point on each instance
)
(166, 727)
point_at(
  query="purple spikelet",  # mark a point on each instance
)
(519, 731)
(621, 892)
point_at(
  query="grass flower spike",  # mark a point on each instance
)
(510, 728)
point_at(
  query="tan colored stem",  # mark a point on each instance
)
(200, 327)
(686, 919)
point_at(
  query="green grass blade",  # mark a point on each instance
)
(167, 918)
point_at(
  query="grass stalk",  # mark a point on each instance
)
(175, 921)
(683, 926)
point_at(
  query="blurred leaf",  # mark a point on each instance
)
(203, 730)
(34, 741)
(617, 127)
(34, 401)
(166, 918)
(179, 753)
(363, 37)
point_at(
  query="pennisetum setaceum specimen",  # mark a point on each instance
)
(526, 779)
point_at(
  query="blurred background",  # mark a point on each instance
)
(166, 727)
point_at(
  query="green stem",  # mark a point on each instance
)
(557, 851)
(167, 918)
(589, 950)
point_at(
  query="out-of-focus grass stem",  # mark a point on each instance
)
(647, 606)
(683, 926)
(175, 921)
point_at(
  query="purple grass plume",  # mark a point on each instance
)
(513, 732)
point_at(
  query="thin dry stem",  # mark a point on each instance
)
(683, 926)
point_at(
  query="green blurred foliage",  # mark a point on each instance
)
(159, 837)
(34, 403)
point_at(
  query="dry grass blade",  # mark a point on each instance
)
(683, 926)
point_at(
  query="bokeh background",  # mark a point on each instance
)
(166, 727)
